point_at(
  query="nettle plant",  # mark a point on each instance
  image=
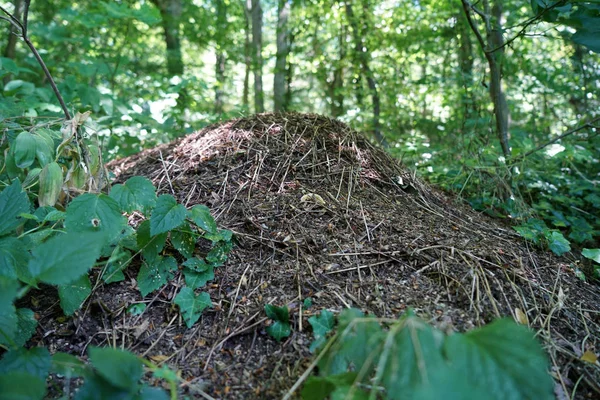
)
(74, 229)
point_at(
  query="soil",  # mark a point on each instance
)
(320, 213)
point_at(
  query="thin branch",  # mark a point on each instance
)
(588, 124)
(23, 28)
(467, 5)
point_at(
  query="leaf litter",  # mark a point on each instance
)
(319, 212)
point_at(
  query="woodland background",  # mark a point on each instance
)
(465, 93)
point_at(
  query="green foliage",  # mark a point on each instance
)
(280, 327)
(192, 305)
(321, 325)
(413, 360)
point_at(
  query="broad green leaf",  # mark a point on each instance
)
(184, 240)
(196, 264)
(280, 328)
(136, 309)
(195, 279)
(155, 274)
(190, 305)
(74, 293)
(167, 215)
(118, 261)
(150, 245)
(121, 368)
(218, 254)
(200, 215)
(16, 385)
(95, 213)
(26, 324)
(335, 387)
(25, 147)
(557, 243)
(592, 254)
(44, 151)
(502, 359)
(13, 257)
(64, 258)
(8, 313)
(138, 193)
(69, 366)
(277, 313)
(34, 361)
(13, 202)
(322, 325)
(152, 393)
(96, 387)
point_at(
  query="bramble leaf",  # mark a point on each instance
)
(95, 213)
(155, 274)
(13, 202)
(73, 294)
(122, 369)
(322, 325)
(167, 215)
(138, 193)
(191, 306)
(200, 215)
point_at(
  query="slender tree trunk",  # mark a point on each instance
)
(364, 58)
(221, 59)
(247, 53)
(493, 48)
(337, 95)
(259, 103)
(289, 76)
(279, 81)
(11, 44)
(465, 59)
(170, 12)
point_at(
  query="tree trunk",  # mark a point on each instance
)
(364, 58)
(259, 103)
(493, 48)
(221, 59)
(279, 81)
(247, 54)
(337, 85)
(11, 44)
(170, 12)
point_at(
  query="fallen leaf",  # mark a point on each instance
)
(590, 357)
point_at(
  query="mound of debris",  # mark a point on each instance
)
(319, 212)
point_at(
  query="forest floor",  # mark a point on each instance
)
(320, 213)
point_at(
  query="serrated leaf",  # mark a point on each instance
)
(24, 149)
(13, 202)
(122, 369)
(35, 362)
(68, 365)
(156, 274)
(184, 240)
(138, 193)
(95, 387)
(557, 243)
(190, 305)
(26, 324)
(334, 387)
(8, 313)
(167, 215)
(196, 264)
(150, 245)
(200, 215)
(592, 254)
(64, 258)
(13, 258)
(503, 360)
(21, 386)
(118, 261)
(196, 280)
(95, 213)
(73, 294)
(218, 254)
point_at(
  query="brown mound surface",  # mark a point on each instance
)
(321, 213)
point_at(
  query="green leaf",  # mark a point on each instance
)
(95, 213)
(122, 369)
(118, 261)
(152, 393)
(25, 147)
(13, 202)
(167, 215)
(336, 387)
(557, 243)
(184, 240)
(322, 325)
(73, 294)
(44, 151)
(503, 360)
(69, 366)
(21, 386)
(218, 254)
(196, 264)
(191, 306)
(280, 328)
(277, 313)
(8, 313)
(592, 254)
(26, 324)
(136, 309)
(307, 303)
(96, 387)
(195, 279)
(64, 258)
(156, 274)
(138, 193)
(13, 258)
(35, 362)
(200, 215)
(151, 245)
